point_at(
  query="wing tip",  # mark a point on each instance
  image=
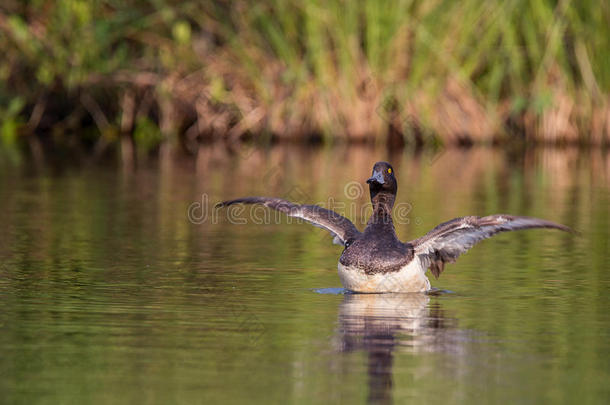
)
(243, 200)
(533, 222)
(566, 228)
(555, 225)
(224, 203)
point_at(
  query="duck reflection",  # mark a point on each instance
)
(379, 324)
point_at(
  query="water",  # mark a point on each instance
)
(121, 286)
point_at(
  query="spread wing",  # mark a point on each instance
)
(341, 228)
(450, 239)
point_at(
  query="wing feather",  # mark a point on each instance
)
(445, 243)
(341, 228)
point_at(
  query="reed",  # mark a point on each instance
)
(364, 71)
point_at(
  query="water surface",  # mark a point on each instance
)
(123, 286)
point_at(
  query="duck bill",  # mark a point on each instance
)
(377, 177)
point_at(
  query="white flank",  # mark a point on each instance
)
(410, 278)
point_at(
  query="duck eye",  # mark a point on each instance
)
(390, 171)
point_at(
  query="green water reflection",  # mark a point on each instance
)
(110, 293)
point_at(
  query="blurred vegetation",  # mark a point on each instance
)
(145, 73)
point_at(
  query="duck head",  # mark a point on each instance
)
(382, 184)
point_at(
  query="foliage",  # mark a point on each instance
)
(467, 70)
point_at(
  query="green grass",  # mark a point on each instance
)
(341, 69)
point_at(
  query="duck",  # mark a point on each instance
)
(375, 260)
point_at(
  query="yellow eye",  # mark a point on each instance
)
(390, 171)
